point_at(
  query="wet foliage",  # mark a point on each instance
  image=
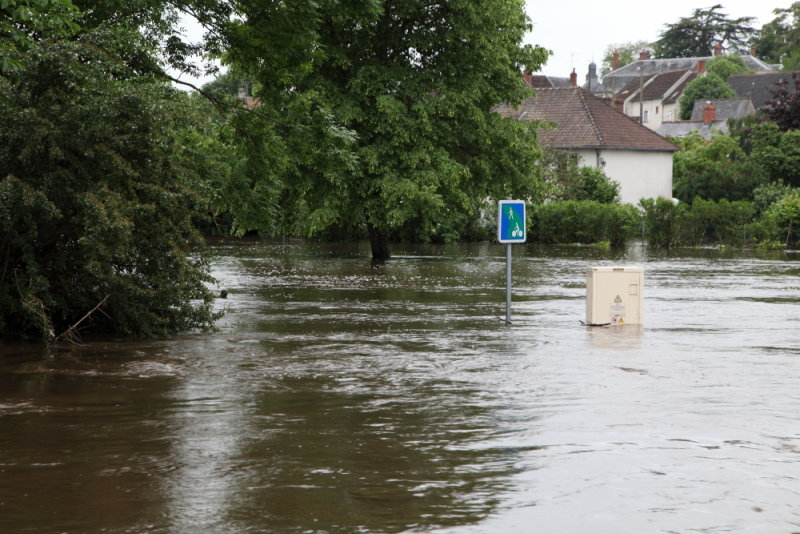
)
(93, 207)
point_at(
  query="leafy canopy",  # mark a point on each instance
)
(93, 206)
(725, 66)
(708, 87)
(696, 36)
(411, 84)
(779, 40)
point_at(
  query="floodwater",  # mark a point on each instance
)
(340, 398)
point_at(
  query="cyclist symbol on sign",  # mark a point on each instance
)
(516, 232)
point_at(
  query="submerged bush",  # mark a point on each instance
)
(704, 222)
(583, 221)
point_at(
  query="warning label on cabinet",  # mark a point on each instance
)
(617, 311)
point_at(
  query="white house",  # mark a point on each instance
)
(636, 157)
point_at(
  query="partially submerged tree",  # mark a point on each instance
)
(95, 214)
(414, 82)
(696, 36)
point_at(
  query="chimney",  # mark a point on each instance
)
(528, 77)
(709, 112)
(644, 54)
(701, 66)
(717, 49)
(753, 50)
(615, 60)
(573, 78)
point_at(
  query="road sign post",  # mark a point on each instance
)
(510, 229)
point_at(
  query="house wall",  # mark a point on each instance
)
(641, 174)
(652, 111)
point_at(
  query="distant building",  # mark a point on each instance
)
(573, 119)
(617, 79)
(709, 117)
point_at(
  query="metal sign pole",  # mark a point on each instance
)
(510, 229)
(508, 283)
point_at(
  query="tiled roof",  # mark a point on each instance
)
(678, 91)
(657, 86)
(725, 108)
(682, 128)
(538, 81)
(661, 84)
(759, 87)
(583, 121)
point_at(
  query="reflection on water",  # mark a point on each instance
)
(340, 398)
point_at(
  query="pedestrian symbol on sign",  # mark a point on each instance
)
(511, 221)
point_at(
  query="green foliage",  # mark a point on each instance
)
(764, 196)
(776, 152)
(708, 87)
(779, 40)
(583, 221)
(23, 22)
(703, 222)
(696, 36)
(724, 66)
(721, 222)
(661, 228)
(627, 54)
(714, 170)
(92, 203)
(565, 179)
(412, 84)
(785, 215)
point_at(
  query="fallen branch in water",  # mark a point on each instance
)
(70, 334)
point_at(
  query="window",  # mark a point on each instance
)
(644, 116)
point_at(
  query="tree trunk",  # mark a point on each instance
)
(380, 245)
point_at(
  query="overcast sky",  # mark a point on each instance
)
(578, 32)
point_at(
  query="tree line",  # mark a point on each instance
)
(368, 119)
(372, 116)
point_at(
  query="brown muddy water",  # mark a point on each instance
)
(339, 398)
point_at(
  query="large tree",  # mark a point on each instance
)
(414, 81)
(778, 41)
(697, 35)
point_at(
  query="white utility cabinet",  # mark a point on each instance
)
(614, 295)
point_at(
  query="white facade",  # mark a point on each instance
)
(654, 112)
(640, 173)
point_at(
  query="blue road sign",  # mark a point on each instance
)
(511, 221)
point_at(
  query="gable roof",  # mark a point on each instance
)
(725, 108)
(583, 121)
(667, 86)
(760, 86)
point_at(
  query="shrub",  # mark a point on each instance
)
(583, 221)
